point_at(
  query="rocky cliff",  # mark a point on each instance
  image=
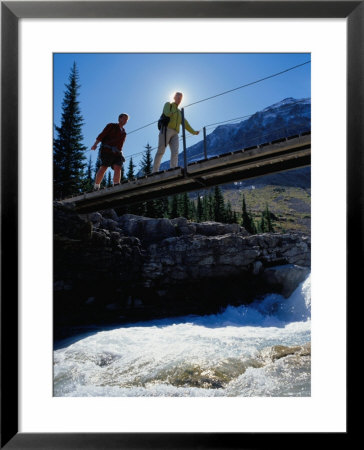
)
(110, 269)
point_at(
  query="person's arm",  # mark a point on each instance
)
(101, 136)
(121, 148)
(189, 128)
(95, 145)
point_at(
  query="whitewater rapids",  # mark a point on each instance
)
(262, 349)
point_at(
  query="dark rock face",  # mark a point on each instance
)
(196, 257)
(114, 269)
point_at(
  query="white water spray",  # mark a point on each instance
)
(215, 355)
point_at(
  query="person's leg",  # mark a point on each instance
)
(105, 163)
(160, 152)
(100, 175)
(174, 145)
(117, 174)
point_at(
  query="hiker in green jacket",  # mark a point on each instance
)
(169, 133)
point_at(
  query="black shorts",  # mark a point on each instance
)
(109, 158)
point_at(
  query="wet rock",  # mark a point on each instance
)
(257, 267)
(281, 351)
(286, 277)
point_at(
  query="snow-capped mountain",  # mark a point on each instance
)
(285, 118)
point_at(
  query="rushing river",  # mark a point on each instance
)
(258, 350)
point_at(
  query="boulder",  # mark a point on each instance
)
(109, 224)
(130, 224)
(109, 214)
(179, 222)
(155, 230)
(95, 218)
(146, 229)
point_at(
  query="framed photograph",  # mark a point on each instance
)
(211, 344)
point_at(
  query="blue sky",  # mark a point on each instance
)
(139, 84)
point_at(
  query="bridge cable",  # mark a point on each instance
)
(249, 84)
(231, 90)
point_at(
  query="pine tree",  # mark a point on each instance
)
(161, 207)
(199, 211)
(219, 207)
(122, 174)
(88, 179)
(205, 208)
(149, 208)
(130, 174)
(146, 168)
(193, 211)
(147, 161)
(268, 219)
(210, 207)
(235, 217)
(229, 218)
(174, 207)
(247, 220)
(68, 150)
(262, 225)
(186, 210)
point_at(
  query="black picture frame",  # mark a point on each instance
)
(11, 12)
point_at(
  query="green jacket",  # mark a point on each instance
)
(171, 110)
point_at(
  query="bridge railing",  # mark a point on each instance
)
(246, 140)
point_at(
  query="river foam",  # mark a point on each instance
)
(227, 354)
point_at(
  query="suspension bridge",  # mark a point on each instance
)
(262, 155)
(286, 153)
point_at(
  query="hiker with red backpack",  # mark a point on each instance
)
(169, 125)
(112, 139)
